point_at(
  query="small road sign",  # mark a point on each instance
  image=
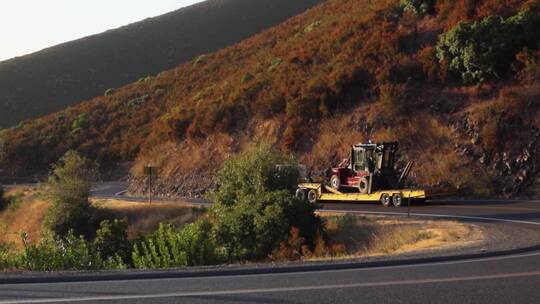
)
(151, 172)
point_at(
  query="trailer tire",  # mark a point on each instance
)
(363, 185)
(335, 182)
(385, 200)
(301, 194)
(312, 196)
(397, 199)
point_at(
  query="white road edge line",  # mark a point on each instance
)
(272, 290)
(121, 193)
(463, 217)
(473, 260)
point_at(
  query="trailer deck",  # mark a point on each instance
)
(315, 192)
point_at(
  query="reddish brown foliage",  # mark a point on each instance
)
(340, 56)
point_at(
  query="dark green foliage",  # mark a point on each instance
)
(68, 189)
(276, 62)
(248, 77)
(258, 170)
(9, 258)
(169, 247)
(67, 253)
(135, 102)
(54, 253)
(419, 7)
(79, 123)
(10, 202)
(312, 26)
(254, 209)
(111, 240)
(483, 50)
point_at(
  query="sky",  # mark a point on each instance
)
(27, 26)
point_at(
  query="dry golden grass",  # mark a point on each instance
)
(144, 218)
(375, 236)
(26, 216)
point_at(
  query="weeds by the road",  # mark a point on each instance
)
(352, 236)
(145, 218)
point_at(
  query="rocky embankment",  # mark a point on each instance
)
(193, 186)
(513, 166)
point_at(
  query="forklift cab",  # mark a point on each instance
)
(373, 158)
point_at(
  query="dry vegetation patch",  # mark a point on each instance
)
(365, 236)
(144, 218)
(26, 214)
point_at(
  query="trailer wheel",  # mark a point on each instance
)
(397, 199)
(335, 182)
(385, 200)
(312, 196)
(301, 194)
(363, 185)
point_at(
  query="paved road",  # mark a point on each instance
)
(503, 279)
(509, 279)
(526, 211)
(512, 210)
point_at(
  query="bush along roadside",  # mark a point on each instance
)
(255, 217)
(254, 212)
(254, 208)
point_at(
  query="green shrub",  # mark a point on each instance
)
(137, 101)
(68, 190)
(168, 247)
(276, 62)
(312, 26)
(483, 50)
(9, 259)
(79, 123)
(256, 171)
(248, 77)
(111, 241)
(419, 7)
(55, 253)
(254, 208)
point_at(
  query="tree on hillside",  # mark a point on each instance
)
(254, 208)
(419, 7)
(69, 188)
(484, 50)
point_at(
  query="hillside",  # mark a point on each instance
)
(456, 82)
(52, 79)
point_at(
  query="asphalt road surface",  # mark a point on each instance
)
(499, 279)
(508, 279)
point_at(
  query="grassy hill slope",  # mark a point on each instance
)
(52, 79)
(343, 72)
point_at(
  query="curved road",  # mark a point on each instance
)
(501, 279)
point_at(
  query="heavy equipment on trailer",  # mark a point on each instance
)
(369, 174)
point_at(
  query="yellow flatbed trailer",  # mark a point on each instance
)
(316, 192)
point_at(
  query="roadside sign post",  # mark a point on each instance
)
(150, 172)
